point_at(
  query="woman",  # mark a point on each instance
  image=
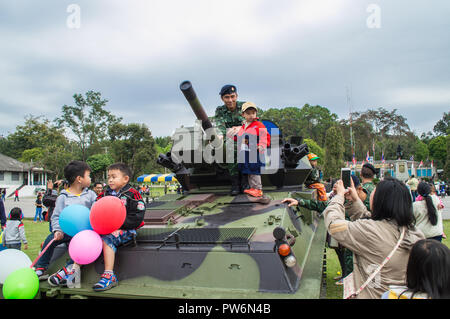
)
(428, 216)
(427, 275)
(372, 236)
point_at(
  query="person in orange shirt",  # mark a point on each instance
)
(313, 180)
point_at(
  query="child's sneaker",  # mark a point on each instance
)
(41, 273)
(254, 192)
(107, 281)
(57, 279)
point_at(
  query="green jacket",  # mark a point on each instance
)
(225, 118)
(313, 177)
(368, 187)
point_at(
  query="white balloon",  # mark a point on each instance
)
(11, 260)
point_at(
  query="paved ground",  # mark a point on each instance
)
(28, 207)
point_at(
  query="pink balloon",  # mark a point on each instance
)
(85, 247)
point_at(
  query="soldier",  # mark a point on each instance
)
(368, 172)
(228, 119)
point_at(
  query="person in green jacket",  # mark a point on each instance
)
(368, 172)
(228, 120)
(345, 255)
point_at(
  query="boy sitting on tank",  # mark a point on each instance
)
(78, 175)
(314, 180)
(119, 176)
(253, 139)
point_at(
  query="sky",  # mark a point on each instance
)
(385, 53)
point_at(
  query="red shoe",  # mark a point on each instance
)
(254, 192)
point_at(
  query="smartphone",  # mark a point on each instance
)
(345, 176)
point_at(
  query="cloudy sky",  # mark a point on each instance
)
(391, 53)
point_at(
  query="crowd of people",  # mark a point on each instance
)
(387, 236)
(388, 245)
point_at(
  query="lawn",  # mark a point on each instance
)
(37, 232)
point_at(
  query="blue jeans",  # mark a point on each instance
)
(44, 261)
(38, 213)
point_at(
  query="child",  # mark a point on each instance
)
(313, 180)
(14, 232)
(118, 177)
(78, 174)
(427, 274)
(38, 208)
(253, 140)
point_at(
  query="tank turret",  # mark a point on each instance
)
(199, 153)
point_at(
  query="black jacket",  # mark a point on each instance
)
(134, 204)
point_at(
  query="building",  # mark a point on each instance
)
(400, 169)
(17, 175)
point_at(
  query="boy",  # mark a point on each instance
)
(78, 175)
(118, 178)
(38, 204)
(14, 232)
(313, 180)
(252, 131)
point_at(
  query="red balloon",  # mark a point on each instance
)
(107, 215)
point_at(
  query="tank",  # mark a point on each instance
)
(204, 243)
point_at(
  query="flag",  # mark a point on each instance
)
(421, 164)
(373, 149)
(346, 165)
(411, 158)
(367, 157)
(431, 164)
(382, 157)
(354, 159)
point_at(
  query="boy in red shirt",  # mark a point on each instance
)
(253, 139)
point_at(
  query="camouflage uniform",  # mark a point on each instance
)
(224, 119)
(368, 187)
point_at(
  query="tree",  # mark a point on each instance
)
(88, 120)
(316, 149)
(99, 163)
(334, 151)
(442, 127)
(134, 145)
(37, 132)
(447, 161)
(438, 150)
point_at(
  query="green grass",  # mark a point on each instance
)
(37, 232)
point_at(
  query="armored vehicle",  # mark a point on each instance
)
(204, 243)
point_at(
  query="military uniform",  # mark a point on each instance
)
(368, 187)
(224, 119)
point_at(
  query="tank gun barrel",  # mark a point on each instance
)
(194, 102)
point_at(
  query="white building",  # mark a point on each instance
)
(15, 174)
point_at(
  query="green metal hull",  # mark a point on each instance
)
(225, 250)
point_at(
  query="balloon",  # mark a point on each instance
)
(85, 247)
(22, 283)
(107, 215)
(74, 218)
(11, 260)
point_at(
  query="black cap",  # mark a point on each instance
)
(356, 181)
(371, 167)
(228, 89)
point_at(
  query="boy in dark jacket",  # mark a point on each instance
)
(118, 177)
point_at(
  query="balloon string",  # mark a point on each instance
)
(42, 252)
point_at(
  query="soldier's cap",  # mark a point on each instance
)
(248, 105)
(227, 89)
(370, 166)
(313, 157)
